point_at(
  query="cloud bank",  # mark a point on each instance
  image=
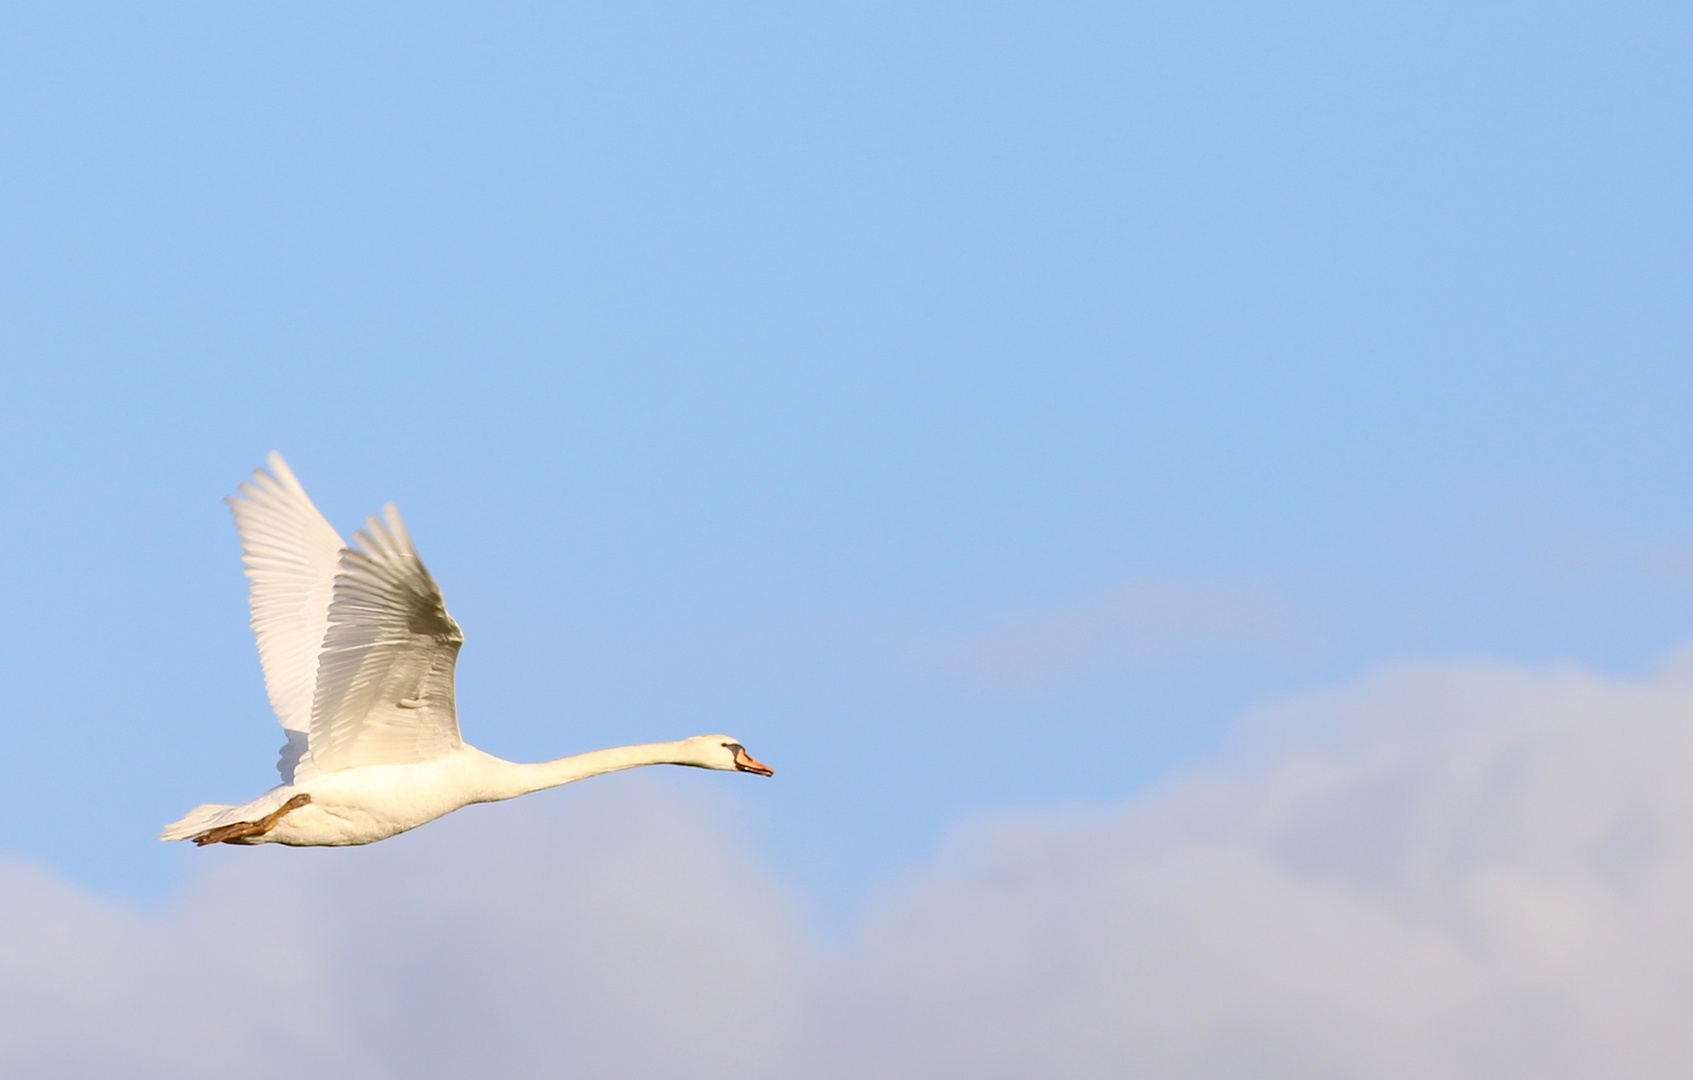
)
(1453, 872)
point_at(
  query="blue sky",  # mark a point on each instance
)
(974, 408)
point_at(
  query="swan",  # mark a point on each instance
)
(358, 653)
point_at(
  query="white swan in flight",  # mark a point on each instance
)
(358, 653)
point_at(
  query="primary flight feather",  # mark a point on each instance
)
(358, 652)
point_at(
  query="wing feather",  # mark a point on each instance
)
(385, 678)
(292, 556)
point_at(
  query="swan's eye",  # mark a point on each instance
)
(734, 747)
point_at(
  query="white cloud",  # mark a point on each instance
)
(611, 934)
(1446, 872)
(1452, 872)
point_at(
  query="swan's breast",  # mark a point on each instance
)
(373, 802)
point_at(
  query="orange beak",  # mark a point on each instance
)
(745, 762)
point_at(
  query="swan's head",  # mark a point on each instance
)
(723, 753)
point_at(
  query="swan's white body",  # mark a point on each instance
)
(358, 653)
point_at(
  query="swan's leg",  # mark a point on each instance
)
(237, 830)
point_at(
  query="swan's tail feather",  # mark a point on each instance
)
(202, 817)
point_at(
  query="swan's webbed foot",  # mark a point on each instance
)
(228, 834)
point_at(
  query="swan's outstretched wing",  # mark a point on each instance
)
(385, 678)
(292, 556)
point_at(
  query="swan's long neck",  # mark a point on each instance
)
(519, 778)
